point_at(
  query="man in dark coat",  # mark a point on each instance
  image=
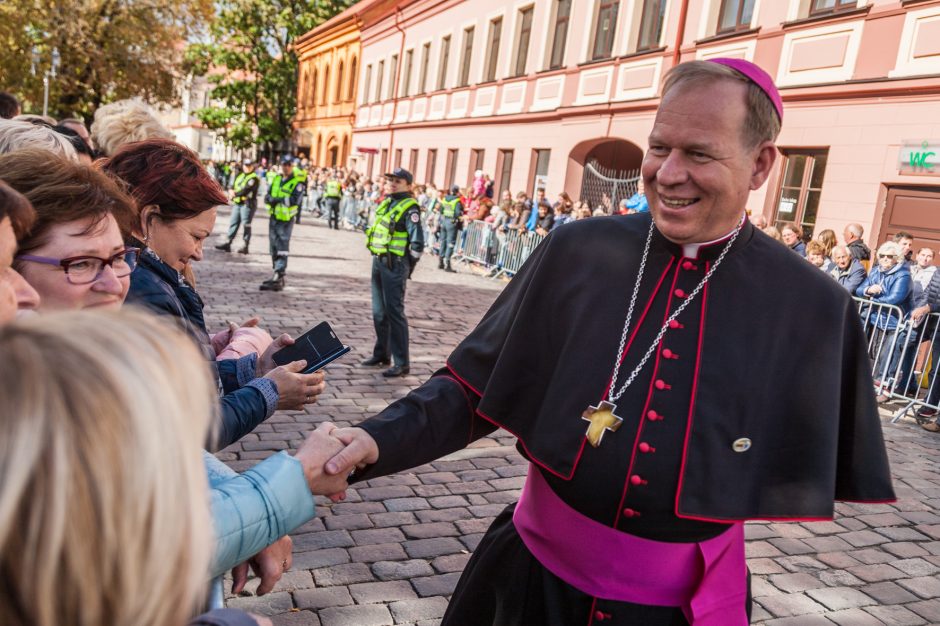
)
(657, 413)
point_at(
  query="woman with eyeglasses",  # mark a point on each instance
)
(75, 258)
(889, 283)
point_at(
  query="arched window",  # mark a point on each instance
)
(351, 89)
(326, 84)
(339, 84)
(312, 91)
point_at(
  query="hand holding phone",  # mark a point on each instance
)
(318, 347)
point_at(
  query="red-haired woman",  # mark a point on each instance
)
(176, 201)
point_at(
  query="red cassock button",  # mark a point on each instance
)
(688, 265)
(667, 353)
(636, 479)
(673, 324)
(660, 384)
(630, 513)
(652, 415)
(679, 293)
(599, 616)
(645, 447)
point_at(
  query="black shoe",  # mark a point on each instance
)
(396, 371)
(243, 249)
(273, 284)
(450, 269)
(926, 412)
(224, 247)
(373, 361)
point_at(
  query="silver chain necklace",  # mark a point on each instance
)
(603, 417)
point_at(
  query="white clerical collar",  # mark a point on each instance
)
(690, 250)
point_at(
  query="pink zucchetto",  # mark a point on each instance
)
(757, 76)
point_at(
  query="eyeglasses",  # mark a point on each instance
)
(887, 256)
(82, 270)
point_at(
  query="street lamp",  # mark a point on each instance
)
(48, 74)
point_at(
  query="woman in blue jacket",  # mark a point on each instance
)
(889, 283)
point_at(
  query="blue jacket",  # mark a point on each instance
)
(799, 248)
(897, 287)
(851, 277)
(252, 510)
(246, 401)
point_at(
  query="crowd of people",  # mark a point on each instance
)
(107, 467)
(903, 287)
(112, 505)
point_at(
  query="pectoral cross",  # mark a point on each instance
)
(602, 419)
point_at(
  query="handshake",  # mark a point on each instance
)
(331, 454)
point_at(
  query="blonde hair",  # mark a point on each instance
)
(773, 231)
(122, 122)
(761, 122)
(828, 240)
(18, 135)
(104, 514)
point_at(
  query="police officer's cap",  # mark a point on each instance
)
(454, 190)
(247, 161)
(287, 160)
(401, 173)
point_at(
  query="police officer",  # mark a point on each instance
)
(244, 205)
(396, 241)
(452, 210)
(300, 172)
(283, 202)
(332, 195)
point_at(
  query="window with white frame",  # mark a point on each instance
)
(561, 12)
(605, 29)
(492, 50)
(406, 73)
(823, 7)
(735, 15)
(379, 79)
(445, 61)
(393, 71)
(466, 57)
(651, 25)
(366, 84)
(423, 75)
(523, 38)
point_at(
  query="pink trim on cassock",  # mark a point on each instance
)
(497, 423)
(707, 579)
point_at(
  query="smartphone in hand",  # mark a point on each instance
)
(318, 346)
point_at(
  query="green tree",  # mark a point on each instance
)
(109, 50)
(252, 64)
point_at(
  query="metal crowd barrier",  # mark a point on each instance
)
(503, 253)
(903, 352)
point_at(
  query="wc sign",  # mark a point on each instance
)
(919, 158)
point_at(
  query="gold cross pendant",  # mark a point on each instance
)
(602, 419)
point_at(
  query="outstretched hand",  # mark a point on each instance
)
(360, 450)
(319, 448)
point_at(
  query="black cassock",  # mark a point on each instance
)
(770, 353)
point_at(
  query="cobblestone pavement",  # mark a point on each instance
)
(392, 553)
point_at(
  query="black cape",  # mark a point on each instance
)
(781, 360)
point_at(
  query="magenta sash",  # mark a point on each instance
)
(707, 579)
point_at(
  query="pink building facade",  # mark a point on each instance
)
(545, 93)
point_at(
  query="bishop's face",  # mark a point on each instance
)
(698, 171)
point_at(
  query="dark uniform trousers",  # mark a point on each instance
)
(279, 237)
(242, 214)
(389, 275)
(332, 205)
(449, 231)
